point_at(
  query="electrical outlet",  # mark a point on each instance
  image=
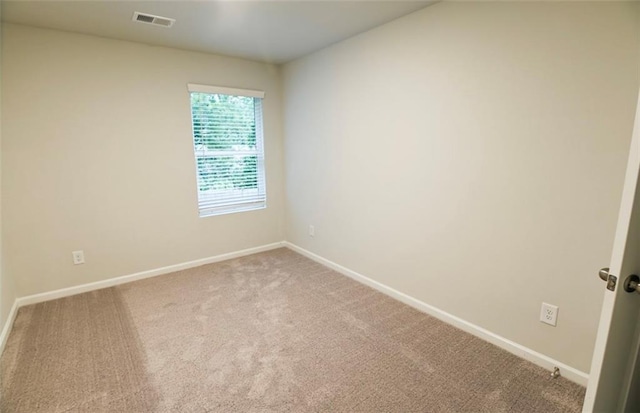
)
(78, 257)
(549, 314)
(312, 231)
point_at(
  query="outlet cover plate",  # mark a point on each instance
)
(549, 314)
(78, 257)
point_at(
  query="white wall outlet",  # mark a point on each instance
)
(312, 231)
(78, 257)
(549, 314)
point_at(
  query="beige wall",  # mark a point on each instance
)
(469, 155)
(7, 288)
(97, 156)
(472, 156)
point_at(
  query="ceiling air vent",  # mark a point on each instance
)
(151, 19)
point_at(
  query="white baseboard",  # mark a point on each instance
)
(526, 353)
(519, 350)
(6, 329)
(83, 288)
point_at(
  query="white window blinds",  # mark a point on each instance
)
(229, 149)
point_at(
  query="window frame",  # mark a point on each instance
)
(256, 199)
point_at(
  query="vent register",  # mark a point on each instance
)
(152, 19)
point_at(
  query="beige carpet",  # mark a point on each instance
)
(271, 332)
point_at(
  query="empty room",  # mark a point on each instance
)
(319, 206)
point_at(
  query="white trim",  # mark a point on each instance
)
(519, 350)
(6, 329)
(526, 353)
(83, 288)
(225, 90)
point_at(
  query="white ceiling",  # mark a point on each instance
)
(270, 31)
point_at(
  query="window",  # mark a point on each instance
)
(228, 147)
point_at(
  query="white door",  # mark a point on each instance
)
(613, 381)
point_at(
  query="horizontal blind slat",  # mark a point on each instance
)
(229, 152)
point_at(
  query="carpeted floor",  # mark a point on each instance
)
(271, 332)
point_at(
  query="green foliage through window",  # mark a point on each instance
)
(223, 122)
(227, 138)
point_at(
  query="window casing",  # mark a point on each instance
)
(228, 145)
